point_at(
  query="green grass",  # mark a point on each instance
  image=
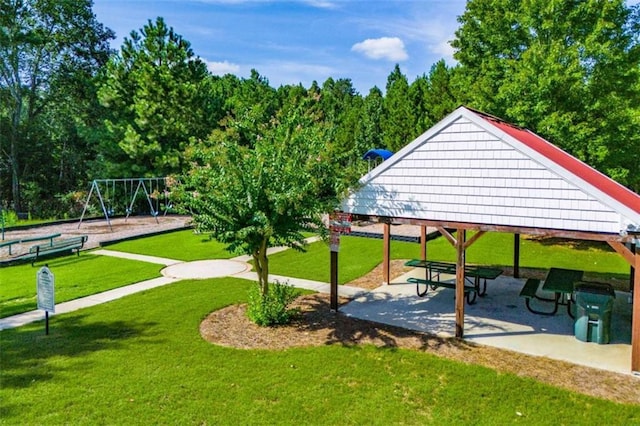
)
(75, 276)
(141, 360)
(180, 245)
(360, 255)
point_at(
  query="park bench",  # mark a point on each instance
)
(50, 237)
(470, 292)
(9, 243)
(66, 245)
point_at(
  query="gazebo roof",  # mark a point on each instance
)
(475, 168)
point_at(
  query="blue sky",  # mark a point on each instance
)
(291, 42)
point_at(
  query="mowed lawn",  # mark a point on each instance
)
(360, 255)
(89, 274)
(75, 276)
(141, 360)
(183, 245)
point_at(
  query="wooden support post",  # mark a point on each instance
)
(333, 296)
(423, 242)
(635, 320)
(386, 255)
(632, 271)
(460, 263)
(516, 255)
(633, 258)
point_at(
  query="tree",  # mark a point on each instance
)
(399, 120)
(154, 93)
(568, 70)
(441, 97)
(341, 107)
(40, 41)
(267, 193)
(370, 123)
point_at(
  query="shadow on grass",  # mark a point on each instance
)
(316, 316)
(572, 244)
(26, 351)
(63, 261)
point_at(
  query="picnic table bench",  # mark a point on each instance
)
(10, 243)
(473, 273)
(66, 245)
(469, 291)
(559, 281)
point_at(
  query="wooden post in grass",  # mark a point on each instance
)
(386, 255)
(635, 318)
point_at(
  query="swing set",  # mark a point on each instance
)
(111, 193)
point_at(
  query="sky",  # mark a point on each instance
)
(292, 42)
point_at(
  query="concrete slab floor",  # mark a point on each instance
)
(499, 319)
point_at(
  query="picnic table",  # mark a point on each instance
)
(477, 276)
(561, 282)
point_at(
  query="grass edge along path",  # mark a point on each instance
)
(141, 359)
(75, 276)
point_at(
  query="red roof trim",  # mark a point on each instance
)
(570, 163)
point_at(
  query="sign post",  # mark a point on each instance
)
(339, 223)
(45, 283)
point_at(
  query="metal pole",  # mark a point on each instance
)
(516, 255)
(334, 282)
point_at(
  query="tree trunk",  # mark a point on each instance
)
(262, 266)
(13, 156)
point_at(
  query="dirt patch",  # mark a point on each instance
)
(316, 325)
(374, 278)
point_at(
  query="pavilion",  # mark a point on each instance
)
(475, 172)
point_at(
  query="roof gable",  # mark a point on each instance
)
(471, 167)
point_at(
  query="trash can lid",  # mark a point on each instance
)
(594, 288)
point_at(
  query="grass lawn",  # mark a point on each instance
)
(87, 274)
(360, 255)
(75, 276)
(141, 360)
(180, 245)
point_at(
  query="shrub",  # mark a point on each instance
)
(271, 308)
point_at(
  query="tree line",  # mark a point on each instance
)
(72, 109)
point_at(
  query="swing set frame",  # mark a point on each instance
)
(141, 184)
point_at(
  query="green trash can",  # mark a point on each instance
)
(594, 305)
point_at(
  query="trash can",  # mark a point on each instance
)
(594, 305)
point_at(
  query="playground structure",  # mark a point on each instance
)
(119, 196)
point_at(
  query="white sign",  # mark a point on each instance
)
(334, 242)
(46, 290)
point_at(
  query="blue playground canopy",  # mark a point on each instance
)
(377, 153)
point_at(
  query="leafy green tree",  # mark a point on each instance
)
(251, 102)
(341, 107)
(569, 70)
(418, 93)
(267, 193)
(46, 48)
(154, 91)
(442, 96)
(398, 123)
(370, 123)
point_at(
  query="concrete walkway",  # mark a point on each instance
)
(174, 271)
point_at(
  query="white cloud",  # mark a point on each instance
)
(390, 48)
(222, 68)
(321, 4)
